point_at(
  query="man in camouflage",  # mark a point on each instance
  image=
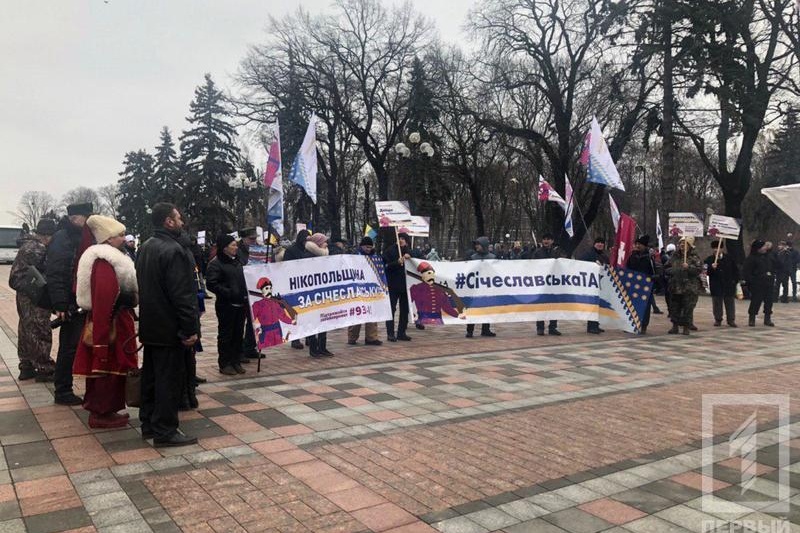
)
(34, 337)
(683, 271)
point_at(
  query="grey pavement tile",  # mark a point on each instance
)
(551, 502)
(117, 515)
(534, 526)
(577, 494)
(90, 476)
(94, 488)
(686, 517)
(9, 510)
(156, 515)
(672, 491)
(492, 519)
(131, 469)
(58, 521)
(459, 524)
(722, 509)
(135, 526)
(15, 525)
(107, 500)
(646, 502)
(523, 510)
(36, 472)
(577, 521)
(653, 524)
(603, 486)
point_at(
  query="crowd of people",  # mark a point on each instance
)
(95, 280)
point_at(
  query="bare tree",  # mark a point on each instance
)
(33, 205)
(109, 200)
(81, 195)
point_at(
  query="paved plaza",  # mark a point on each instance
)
(443, 434)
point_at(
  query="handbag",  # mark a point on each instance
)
(133, 388)
(88, 328)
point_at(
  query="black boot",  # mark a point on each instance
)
(26, 371)
(674, 329)
(390, 331)
(752, 321)
(768, 321)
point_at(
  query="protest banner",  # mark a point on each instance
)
(295, 299)
(490, 291)
(685, 225)
(723, 227)
(201, 237)
(392, 213)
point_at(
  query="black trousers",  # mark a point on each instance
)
(398, 296)
(163, 376)
(230, 333)
(69, 335)
(484, 328)
(318, 342)
(729, 303)
(782, 283)
(553, 324)
(793, 279)
(249, 347)
(759, 295)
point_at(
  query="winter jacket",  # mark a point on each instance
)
(553, 252)
(243, 253)
(395, 272)
(723, 279)
(225, 278)
(165, 271)
(593, 256)
(759, 270)
(784, 263)
(31, 253)
(484, 253)
(684, 280)
(60, 266)
(641, 262)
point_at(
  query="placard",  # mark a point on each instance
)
(685, 225)
(723, 227)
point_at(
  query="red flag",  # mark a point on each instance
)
(624, 241)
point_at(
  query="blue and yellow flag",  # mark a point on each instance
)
(370, 232)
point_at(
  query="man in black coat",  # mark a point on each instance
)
(169, 324)
(481, 250)
(394, 258)
(225, 278)
(249, 350)
(548, 250)
(596, 255)
(759, 276)
(61, 265)
(641, 261)
(723, 275)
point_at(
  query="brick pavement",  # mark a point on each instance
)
(519, 433)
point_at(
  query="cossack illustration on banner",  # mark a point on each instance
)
(492, 291)
(294, 300)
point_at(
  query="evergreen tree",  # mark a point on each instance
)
(136, 192)
(167, 179)
(209, 155)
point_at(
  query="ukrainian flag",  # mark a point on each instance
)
(370, 232)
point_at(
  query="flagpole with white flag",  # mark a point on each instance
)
(659, 233)
(570, 207)
(614, 212)
(304, 167)
(600, 167)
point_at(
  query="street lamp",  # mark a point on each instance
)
(643, 170)
(241, 181)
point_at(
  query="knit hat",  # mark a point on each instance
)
(600, 240)
(103, 228)
(688, 240)
(262, 282)
(547, 235)
(757, 244)
(424, 267)
(223, 240)
(46, 226)
(670, 247)
(367, 241)
(247, 232)
(404, 236)
(80, 209)
(130, 238)
(318, 238)
(644, 240)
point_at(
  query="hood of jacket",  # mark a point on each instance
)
(484, 242)
(315, 250)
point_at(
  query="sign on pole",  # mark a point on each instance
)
(723, 227)
(393, 213)
(418, 227)
(685, 225)
(201, 237)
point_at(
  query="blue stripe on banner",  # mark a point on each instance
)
(499, 301)
(360, 289)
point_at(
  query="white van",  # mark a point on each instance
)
(9, 235)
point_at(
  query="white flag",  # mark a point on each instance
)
(570, 208)
(659, 233)
(304, 168)
(614, 212)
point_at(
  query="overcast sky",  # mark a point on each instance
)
(84, 81)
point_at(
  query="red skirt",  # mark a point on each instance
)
(117, 358)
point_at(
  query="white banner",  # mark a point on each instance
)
(296, 299)
(476, 292)
(723, 227)
(417, 227)
(685, 225)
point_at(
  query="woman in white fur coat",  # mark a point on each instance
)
(107, 289)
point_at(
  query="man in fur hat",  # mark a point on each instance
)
(106, 289)
(61, 266)
(34, 336)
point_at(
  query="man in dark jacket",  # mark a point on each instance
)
(394, 258)
(548, 251)
(249, 350)
(168, 324)
(723, 275)
(759, 276)
(225, 278)
(366, 248)
(784, 263)
(34, 336)
(60, 268)
(596, 255)
(641, 261)
(480, 251)
(795, 255)
(297, 251)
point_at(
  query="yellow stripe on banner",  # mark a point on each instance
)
(360, 299)
(533, 308)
